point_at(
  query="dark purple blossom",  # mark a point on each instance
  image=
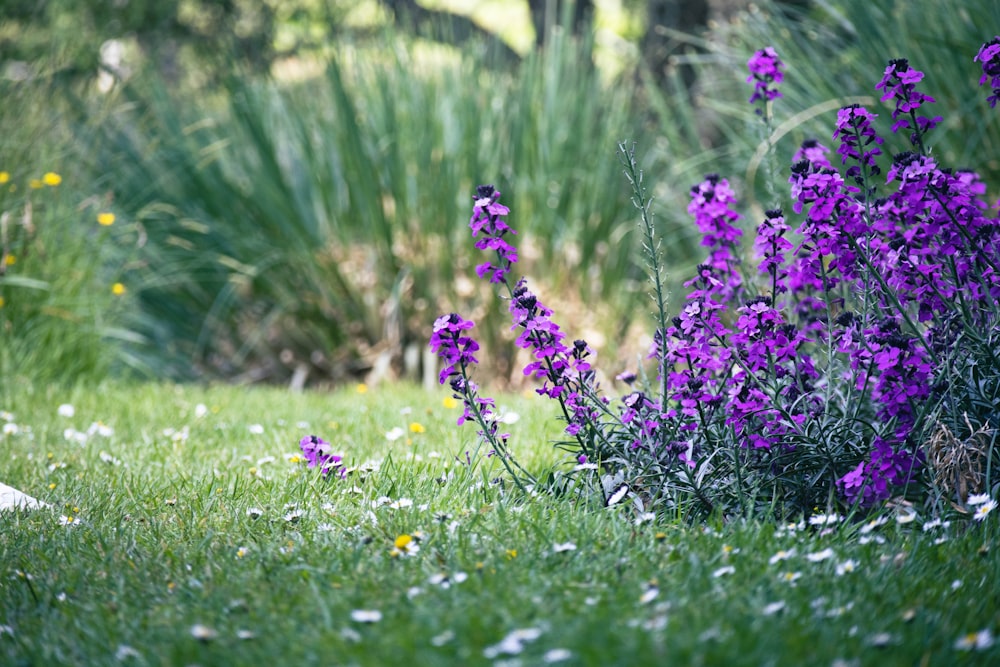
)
(771, 246)
(877, 478)
(487, 218)
(765, 73)
(899, 83)
(710, 205)
(318, 453)
(858, 141)
(989, 56)
(456, 348)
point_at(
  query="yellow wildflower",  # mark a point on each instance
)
(51, 179)
(4, 177)
(118, 289)
(105, 219)
(417, 427)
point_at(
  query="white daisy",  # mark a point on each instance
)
(979, 641)
(66, 410)
(983, 510)
(978, 499)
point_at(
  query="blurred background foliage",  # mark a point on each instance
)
(291, 180)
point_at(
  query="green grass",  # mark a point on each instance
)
(155, 550)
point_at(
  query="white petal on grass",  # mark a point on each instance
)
(820, 556)
(124, 652)
(773, 608)
(513, 643)
(906, 515)
(246, 634)
(66, 410)
(256, 429)
(559, 547)
(978, 499)
(6, 630)
(824, 519)
(394, 434)
(294, 516)
(203, 632)
(443, 638)
(781, 555)
(366, 616)
(649, 595)
(200, 410)
(254, 512)
(723, 571)
(556, 655)
(402, 503)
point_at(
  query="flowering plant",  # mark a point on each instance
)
(832, 363)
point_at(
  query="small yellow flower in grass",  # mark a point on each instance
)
(404, 545)
(51, 179)
(2, 302)
(52, 486)
(11, 260)
(105, 219)
(118, 289)
(4, 177)
(362, 388)
(241, 552)
(449, 402)
(417, 427)
(36, 184)
(511, 554)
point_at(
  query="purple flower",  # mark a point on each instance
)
(487, 218)
(857, 136)
(899, 83)
(317, 452)
(989, 56)
(771, 246)
(710, 205)
(765, 70)
(876, 478)
(452, 345)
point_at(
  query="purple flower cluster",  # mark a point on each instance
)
(319, 454)
(450, 342)
(710, 205)
(765, 73)
(487, 218)
(989, 56)
(819, 368)
(875, 479)
(899, 83)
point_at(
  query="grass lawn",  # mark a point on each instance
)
(185, 530)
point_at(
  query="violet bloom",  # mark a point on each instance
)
(813, 152)
(487, 217)
(880, 476)
(765, 72)
(450, 343)
(710, 205)
(858, 141)
(771, 246)
(899, 83)
(989, 56)
(318, 453)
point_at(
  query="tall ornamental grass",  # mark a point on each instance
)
(843, 354)
(311, 225)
